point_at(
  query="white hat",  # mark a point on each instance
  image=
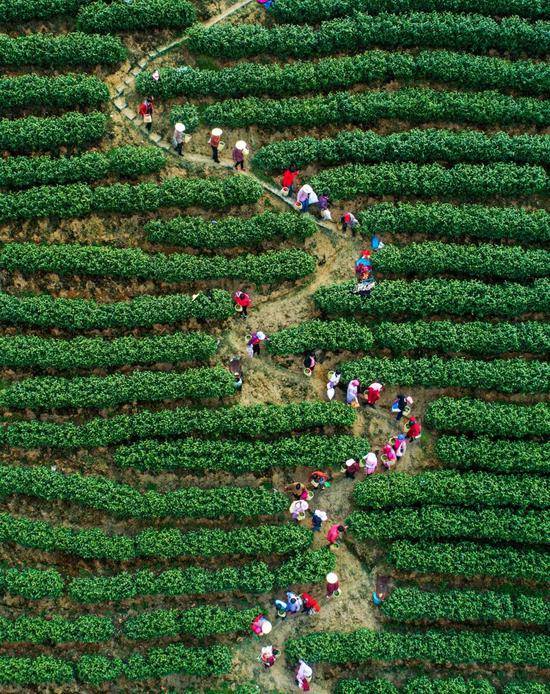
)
(298, 506)
(371, 458)
(266, 627)
(180, 127)
(307, 189)
(409, 400)
(376, 386)
(240, 144)
(321, 514)
(332, 577)
(267, 651)
(349, 462)
(260, 335)
(217, 132)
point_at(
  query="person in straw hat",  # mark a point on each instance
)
(178, 137)
(214, 142)
(238, 154)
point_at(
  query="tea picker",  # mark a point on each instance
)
(216, 143)
(261, 625)
(317, 519)
(298, 510)
(333, 585)
(268, 656)
(303, 676)
(238, 154)
(179, 138)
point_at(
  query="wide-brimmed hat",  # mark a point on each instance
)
(240, 144)
(307, 188)
(217, 132)
(180, 127)
(332, 577)
(260, 335)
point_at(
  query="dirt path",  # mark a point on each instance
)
(279, 381)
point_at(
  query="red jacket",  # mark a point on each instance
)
(310, 603)
(373, 396)
(288, 178)
(414, 430)
(241, 299)
(145, 108)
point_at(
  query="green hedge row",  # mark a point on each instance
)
(456, 221)
(199, 622)
(253, 577)
(155, 663)
(66, 259)
(61, 50)
(24, 351)
(475, 337)
(494, 419)
(238, 421)
(98, 669)
(34, 671)
(435, 522)
(94, 543)
(372, 67)
(16, 11)
(449, 488)
(78, 200)
(459, 605)
(416, 105)
(139, 15)
(62, 91)
(129, 161)
(51, 392)
(502, 375)
(313, 11)
(482, 260)
(230, 232)
(463, 32)
(479, 454)
(443, 685)
(34, 134)
(436, 297)
(468, 181)
(469, 559)
(31, 584)
(441, 647)
(239, 457)
(419, 146)
(86, 314)
(55, 629)
(316, 334)
(125, 501)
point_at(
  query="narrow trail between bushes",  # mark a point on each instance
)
(269, 380)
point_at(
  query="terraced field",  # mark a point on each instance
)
(144, 522)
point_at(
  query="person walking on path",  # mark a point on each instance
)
(178, 138)
(146, 112)
(268, 656)
(214, 142)
(238, 155)
(413, 429)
